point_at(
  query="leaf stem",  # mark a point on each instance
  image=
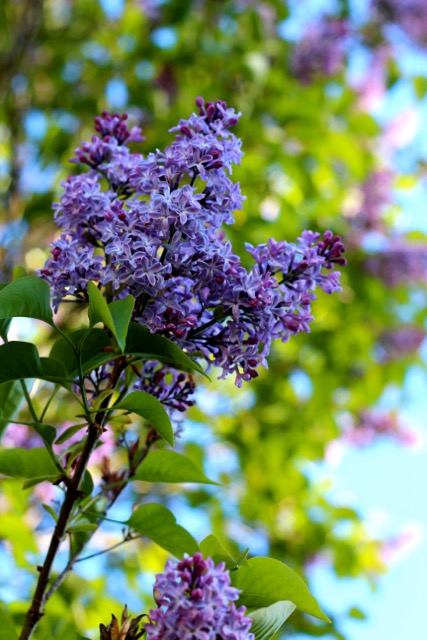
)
(29, 401)
(127, 538)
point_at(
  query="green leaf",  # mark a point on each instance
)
(212, 548)
(68, 433)
(242, 561)
(266, 581)
(20, 360)
(50, 511)
(11, 398)
(169, 466)
(48, 434)
(116, 315)
(4, 327)
(98, 309)
(92, 352)
(7, 627)
(148, 407)
(27, 463)
(28, 297)
(121, 312)
(87, 484)
(54, 371)
(268, 620)
(357, 613)
(82, 526)
(157, 523)
(150, 346)
(45, 431)
(79, 637)
(34, 481)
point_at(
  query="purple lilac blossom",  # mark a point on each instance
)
(409, 15)
(321, 50)
(399, 263)
(372, 424)
(196, 600)
(152, 229)
(174, 389)
(377, 195)
(400, 342)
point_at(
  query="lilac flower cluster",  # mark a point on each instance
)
(196, 600)
(410, 15)
(400, 342)
(321, 50)
(399, 263)
(173, 389)
(377, 195)
(372, 424)
(151, 227)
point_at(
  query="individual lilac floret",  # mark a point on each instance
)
(154, 231)
(409, 15)
(196, 601)
(321, 50)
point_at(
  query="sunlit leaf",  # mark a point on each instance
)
(26, 463)
(212, 548)
(7, 627)
(170, 466)
(266, 581)
(148, 407)
(157, 523)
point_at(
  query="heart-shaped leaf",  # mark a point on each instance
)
(170, 466)
(157, 523)
(148, 407)
(27, 297)
(265, 581)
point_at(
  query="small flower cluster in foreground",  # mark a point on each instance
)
(196, 600)
(151, 227)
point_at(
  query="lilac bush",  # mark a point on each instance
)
(151, 227)
(142, 248)
(196, 600)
